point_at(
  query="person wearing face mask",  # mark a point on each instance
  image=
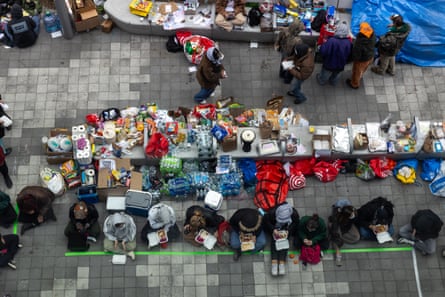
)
(210, 71)
(120, 234)
(341, 227)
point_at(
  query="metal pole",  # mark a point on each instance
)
(64, 14)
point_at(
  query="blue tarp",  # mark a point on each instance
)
(425, 45)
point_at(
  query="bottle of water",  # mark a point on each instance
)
(51, 22)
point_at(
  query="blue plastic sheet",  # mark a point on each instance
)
(426, 42)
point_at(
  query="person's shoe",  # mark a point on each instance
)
(19, 245)
(202, 102)
(12, 265)
(376, 70)
(321, 254)
(299, 100)
(26, 227)
(274, 270)
(290, 93)
(338, 261)
(443, 252)
(349, 83)
(131, 255)
(236, 254)
(390, 72)
(402, 240)
(51, 215)
(318, 80)
(8, 182)
(304, 267)
(91, 238)
(282, 269)
(8, 151)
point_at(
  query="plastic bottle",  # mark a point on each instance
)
(51, 22)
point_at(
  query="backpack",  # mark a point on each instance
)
(173, 45)
(273, 185)
(254, 16)
(319, 20)
(388, 44)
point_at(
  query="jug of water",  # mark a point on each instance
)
(51, 21)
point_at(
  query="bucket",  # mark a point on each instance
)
(51, 22)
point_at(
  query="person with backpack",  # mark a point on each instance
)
(390, 44)
(422, 231)
(230, 13)
(281, 222)
(362, 54)
(335, 52)
(22, 30)
(285, 43)
(375, 217)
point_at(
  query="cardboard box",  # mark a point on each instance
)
(107, 26)
(58, 157)
(88, 14)
(87, 25)
(321, 144)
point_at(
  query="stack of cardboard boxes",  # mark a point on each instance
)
(85, 15)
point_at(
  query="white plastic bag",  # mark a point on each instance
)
(53, 180)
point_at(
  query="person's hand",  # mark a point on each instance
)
(116, 244)
(87, 226)
(79, 226)
(187, 229)
(414, 232)
(124, 246)
(40, 219)
(223, 74)
(307, 242)
(276, 233)
(3, 240)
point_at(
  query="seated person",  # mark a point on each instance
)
(120, 234)
(161, 217)
(35, 207)
(230, 13)
(422, 231)
(9, 245)
(7, 212)
(198, 218)
(32, 7)
(341, 227)
(247, 231)
(282, 220)
(374, 217)
(82, 226)
(22, 30)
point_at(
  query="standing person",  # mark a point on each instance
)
(22, 30)
(83, 226)
(247, 231)
(374, 217)
(230, 13)
(281, 222)
(422, 231)
(7, 212)
(335, 52)
(35, 207)
(4, 169)
(160, 217)
(303, 66)
(210, 71)
(285, 43)
(341, 227)
(120, 234)
(3, 108)
(9, 245)
(362, 54)
(390, 44)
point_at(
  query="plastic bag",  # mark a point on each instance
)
(297, 181)
(430, 169)
(310, 254)
(248, 168)
(195, 47)
(157, 146)
(206, 111)
(364, 171)
(306, 167)
(382, 167)
(53, 180)
(405, 171)
(325, 171)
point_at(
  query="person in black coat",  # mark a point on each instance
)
(422, 231)
(22, 30)
(375, 216)
(9, 245)
(3, 108)
(199, 218)
(7, 212)
(281, 223)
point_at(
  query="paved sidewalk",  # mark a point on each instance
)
(57, 82)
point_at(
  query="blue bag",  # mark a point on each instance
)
(430, 169)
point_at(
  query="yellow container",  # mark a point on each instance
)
(140, 7)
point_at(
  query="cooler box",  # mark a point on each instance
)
(115, 204)
(137, 202)
(213, 200)
(88, 194)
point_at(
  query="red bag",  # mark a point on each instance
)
(206, 111)
(325, 171)
(382, 167)
(181, 35)
(310, 254)
(157, 146)
(272, 186)
(306, 167)
(223, 234)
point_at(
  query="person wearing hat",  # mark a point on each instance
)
(422, 231)
(120, 234)
(375, 216)
(390, 44)
(362, 54)
(230, 13)
(160, 217)
(83, 225)
(199, 218)
(7, 212)
(247, 232)
(35, 207)
(210, 71)
(9, 245)
(281, 222)
(285, 43)
(22, 30)
(336, 52)
(302, 68)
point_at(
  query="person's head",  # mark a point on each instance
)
(382, 216)
(313, 223)
(29, 204)
(300, 50)
(296, 27)
(159, 216)
(197, 220)
(214, 55)
(283, 214)
(250, 223)
(80, 211)
(345, 214)
(366, 29)
(397, 20)
(342, 30)
(16, 11)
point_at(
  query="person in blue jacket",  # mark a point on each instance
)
(336, 52)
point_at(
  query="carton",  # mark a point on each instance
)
(58, 157)
(321, 143)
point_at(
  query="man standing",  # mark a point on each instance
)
(303, 66)
(362, 54)
(390, 44)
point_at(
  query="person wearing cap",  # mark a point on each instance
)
(199, 218)
(35, 207)
(210, 72)
(247, 231)
(397, 34)
(22, 30)
(281, 222)
(83, 222)
(302, 68)
(375, 216)
(9, 245)
(120, 234)
(285, 43)
(160, 217)
(341, 227)
(7, 212)
(230, 13)
(336, 52)
(362, 54)
(422, 231)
